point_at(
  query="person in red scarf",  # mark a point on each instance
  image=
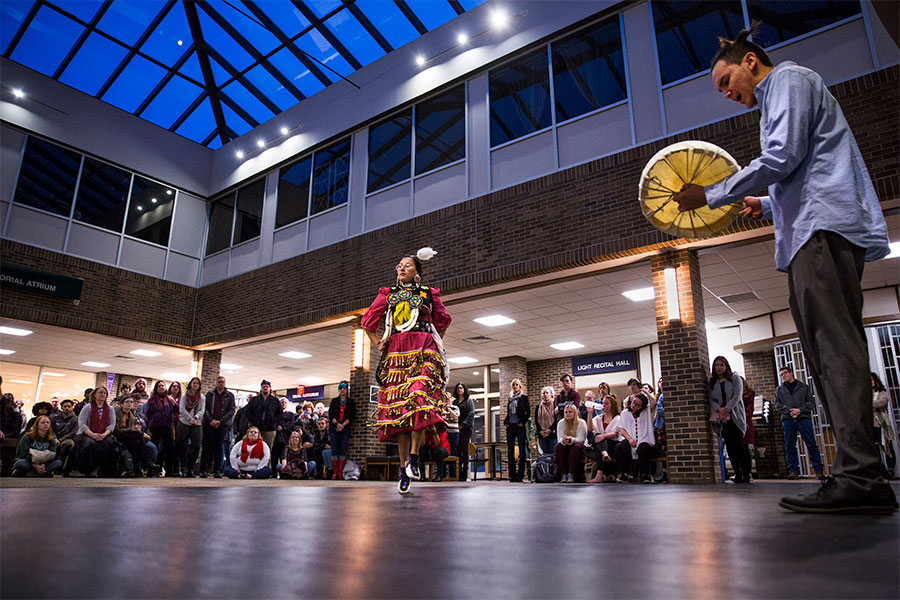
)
(249, 458)
(95, 446)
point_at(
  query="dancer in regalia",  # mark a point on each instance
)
(413, 370)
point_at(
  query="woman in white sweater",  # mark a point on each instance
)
(571, 432)
(249, 458)
(636, 426)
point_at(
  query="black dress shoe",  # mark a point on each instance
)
(437, 479)
(833, 498)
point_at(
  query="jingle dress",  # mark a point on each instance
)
(413, 369)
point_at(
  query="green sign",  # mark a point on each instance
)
(40, 281)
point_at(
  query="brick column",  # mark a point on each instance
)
(762, 375)
(207, 369)
(684, 360)
(363, 439)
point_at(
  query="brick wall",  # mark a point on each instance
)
(684, 361)
(363, 437)
(761, 374)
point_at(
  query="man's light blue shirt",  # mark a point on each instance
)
(813, 169)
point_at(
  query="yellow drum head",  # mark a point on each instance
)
(696, 162)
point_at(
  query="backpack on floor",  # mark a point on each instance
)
(125, 463)
(544, 469)
(351, 470)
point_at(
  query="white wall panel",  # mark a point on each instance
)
(523, 160)
(440, 189)
(596, 135)
(244, 257)
(215, 268)
(37, 228)
(11, 141)
(784, 323)
(389, 206)
(836, 54)
(183, 269)
(328, 228)
(755, 329)
(289, 242)
(142, 257)
(96, 244)
(188, 224)
(880, 303)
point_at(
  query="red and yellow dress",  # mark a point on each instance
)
(412, 371)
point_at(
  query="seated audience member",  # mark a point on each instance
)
(249, 458)
(189, 431)
(320, 450)
(636, 426)
(86, 400)
(571, 433)
(306, 417)
(320, 410)
(283, 431)
(129, 433)
(95, 447)
(436, 447)
(148, 461)
(39, 409)
(65, 428)
(545, 421)
(217, 420)
(293, 459)
(10, 418)
(36, 452)
(603, 433)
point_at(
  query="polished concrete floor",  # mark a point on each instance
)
(245, 539)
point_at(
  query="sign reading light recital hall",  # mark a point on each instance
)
(40, 281)
(592, 364)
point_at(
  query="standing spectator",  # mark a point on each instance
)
(54, 402)
(217, 419)
(466, 424)
(36, 451)
(85, 400)
(636, 426)
(140, 387)
(39, 409)
(659, 430)
(249, 458)
(828, 222)
(264, 411)
(749, 397)
(124, 391)
(95, 446)
(603, 433)
(726, 406)
(516, 422)
(129, 433)
(293, 459)
(10, 419)
(320, 449)
(545, 420)
(320, 410)
(162, 414)
(189, 430)
(341, 414)
(434, 447)
(452, 421)
(283, 430)
(603, 390)
(794, 402)
(884, 424)
(568, 395)
(571, 433)
(65, 428)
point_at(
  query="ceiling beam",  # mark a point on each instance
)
(411, 16)
(326, 33)
(367, 25)
(209, 83)
(81, 39)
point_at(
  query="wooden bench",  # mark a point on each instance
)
(430, 466)
(382, 468)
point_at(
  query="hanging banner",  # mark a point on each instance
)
(592, 364)
(110, 378)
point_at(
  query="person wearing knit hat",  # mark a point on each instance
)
(413, 369)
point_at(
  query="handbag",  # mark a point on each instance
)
(39, 457)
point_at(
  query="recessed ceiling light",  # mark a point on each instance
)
(477, 390)
(499, 19)
(168, 192)
(91, 363)
(420, 60)
(295, 354)
(15, 331)
(22, 381)
(52, 374)
(230, 367)
(4, 352)
(463, 360)
(139, 207)
(153, 200)
(18, 93)
(180, 42)
(284, 131)
(567, 346)
(494, 320)
(895, 250)
(495, 370)
(239, 154)
(462, 39)
(261, 143)
(476, 372)
(147, 353)
(639, 294)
